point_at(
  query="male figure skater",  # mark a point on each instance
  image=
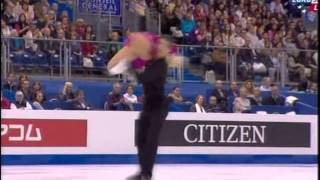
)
(152, 74)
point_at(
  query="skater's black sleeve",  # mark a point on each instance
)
(156, 71)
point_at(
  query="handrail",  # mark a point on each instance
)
(178, 45)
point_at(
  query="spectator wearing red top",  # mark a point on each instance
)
(88, 48)
(199, 13)
(5, 103)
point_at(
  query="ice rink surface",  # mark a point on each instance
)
(161, 172)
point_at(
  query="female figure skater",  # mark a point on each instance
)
(146, 55)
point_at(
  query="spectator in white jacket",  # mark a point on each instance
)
(20, 103)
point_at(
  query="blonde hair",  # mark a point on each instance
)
(67, 83)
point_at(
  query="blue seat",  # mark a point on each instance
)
(179, 107)
(67, 105)
(98, 62)
(55, 60)
(52, 104)
(75, 62)
(138, 107)
(42, 59)
(16, 58)
(103, 54)
(26, 59)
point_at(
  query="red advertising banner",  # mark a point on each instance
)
(43, 133)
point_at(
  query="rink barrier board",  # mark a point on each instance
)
(161, 159)
(109, 138)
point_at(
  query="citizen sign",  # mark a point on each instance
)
(43, 133)
(224, 133)
(235, 133)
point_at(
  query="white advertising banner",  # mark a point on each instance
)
(106, 132)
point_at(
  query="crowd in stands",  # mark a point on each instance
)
(245, 24)
(235, 23)
(33, 96)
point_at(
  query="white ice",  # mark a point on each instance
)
(161, 172)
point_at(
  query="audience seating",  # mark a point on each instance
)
(96, 93)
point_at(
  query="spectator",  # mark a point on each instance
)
(88, 48)
(302, 86)
(233, 91)
(67, 92)
(25, 89)
(169, 22)
(46, 45)
(5, 29)
(21, 102)
(21, 78)
(9, 15)
(221, 94)
(242, 103)
(113, 48)
(5, 103)
(313, 88)
(11, 82)
(201, 33)
(275, 98)
(80, 28)
(296, 66)
(28, 11)
(79, 102)
(245, 60)
(249, 85)
(277, 7)
(38, 100)
(176, 95)
(256, 100)
(21, 26)
(130, 98)
(266, 84)
(199, 106)
(188, 25)
(213, 105)
(36, 86)
(115, 100)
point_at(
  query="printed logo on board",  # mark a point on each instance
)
(306, 5)
(226, 133)
(43, 133)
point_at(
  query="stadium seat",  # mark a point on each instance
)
(75, 62)
(179, 107)
(98, 62)
(67, 105)
(43, 61)
(52, 104)
(55, 60)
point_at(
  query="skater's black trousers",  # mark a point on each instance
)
(153, 115)
(149, 127)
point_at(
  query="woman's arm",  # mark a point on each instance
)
(138, 46)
